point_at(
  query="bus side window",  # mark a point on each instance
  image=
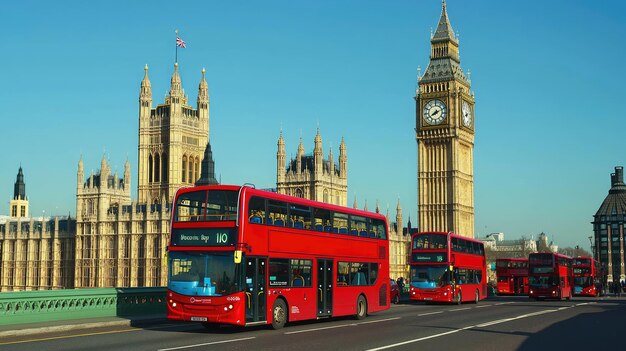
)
(256, 210)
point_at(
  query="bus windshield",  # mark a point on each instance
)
(544, 281)
(583, 281)
(430, 241)
(203, 205)
(429, 276)
(202, 274)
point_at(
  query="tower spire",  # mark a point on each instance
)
(444, 29)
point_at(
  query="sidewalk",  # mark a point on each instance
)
(77, 324)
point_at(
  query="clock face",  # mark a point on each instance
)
(467, 114)
(435, 112)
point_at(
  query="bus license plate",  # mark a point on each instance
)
(428, 298)
(198, 319)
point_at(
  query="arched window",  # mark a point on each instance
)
(196, 174)
(326, 195)
(157, 168)
(150, 168)
(164, 167)
(184, 173)
(299, 193)
(190, 170)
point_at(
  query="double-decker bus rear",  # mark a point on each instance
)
(550, 276)
(512, 276)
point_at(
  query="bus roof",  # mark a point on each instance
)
(281, 197)
(451, 234)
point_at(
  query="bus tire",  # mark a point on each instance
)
(279, 314)
(459, 298)
(476, 297)
(396, 300)
(361, 308)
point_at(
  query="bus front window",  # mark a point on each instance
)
(428, 277)
(202, 274)
(543, 281)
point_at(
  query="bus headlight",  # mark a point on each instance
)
(174, 304)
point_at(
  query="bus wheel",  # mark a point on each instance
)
(476, 297)
(361, 308)
(459, 298)
(396, 300)
(279, 314)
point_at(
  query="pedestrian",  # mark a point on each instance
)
(400, 282)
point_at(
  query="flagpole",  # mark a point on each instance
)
(175, 44)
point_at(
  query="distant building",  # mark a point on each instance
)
(19, 202)
(518, 247)
(608, 228)
(36, 253)
(311, 176)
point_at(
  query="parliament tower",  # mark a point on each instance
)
(172, 139)
(445, 138)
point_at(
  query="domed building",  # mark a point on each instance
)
(608, 228)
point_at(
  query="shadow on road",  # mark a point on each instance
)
(587, 330)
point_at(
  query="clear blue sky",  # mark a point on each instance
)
(547, 75)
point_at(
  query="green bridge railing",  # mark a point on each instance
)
(54, 305)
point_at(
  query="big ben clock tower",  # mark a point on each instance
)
(445, 138)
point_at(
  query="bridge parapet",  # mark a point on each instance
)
(53, 305)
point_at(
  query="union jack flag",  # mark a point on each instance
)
(180, 43)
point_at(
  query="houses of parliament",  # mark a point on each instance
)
(115, 241)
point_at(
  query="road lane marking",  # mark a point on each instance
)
(494, 322)
(420, 339)
(460, 309)
(341, 326)
(505, 303)
(207, 343)
(483, 306)
(69, 336)
(380, 320)
(486, 324)
(429, 313)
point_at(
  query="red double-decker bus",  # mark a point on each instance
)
(550, 276)
(588, 279)
(242, 256)
(447, 268)
(512, 276)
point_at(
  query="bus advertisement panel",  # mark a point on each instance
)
(447, 268)
(588, 280)
(242, 256)
(512, 276)
(550, 276)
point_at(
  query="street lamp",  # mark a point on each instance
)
(593, 252)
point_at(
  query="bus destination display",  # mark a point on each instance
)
(203, 237)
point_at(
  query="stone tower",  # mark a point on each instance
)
(19, 202)
(312, 176)
(172, 139)
(609, 228)
(445, 138)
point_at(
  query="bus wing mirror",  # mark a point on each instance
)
(238, 254)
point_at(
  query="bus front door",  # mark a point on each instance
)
(255, 289)
(324, 287)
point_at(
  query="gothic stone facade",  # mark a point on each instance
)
(120, 242)
(312, 176)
